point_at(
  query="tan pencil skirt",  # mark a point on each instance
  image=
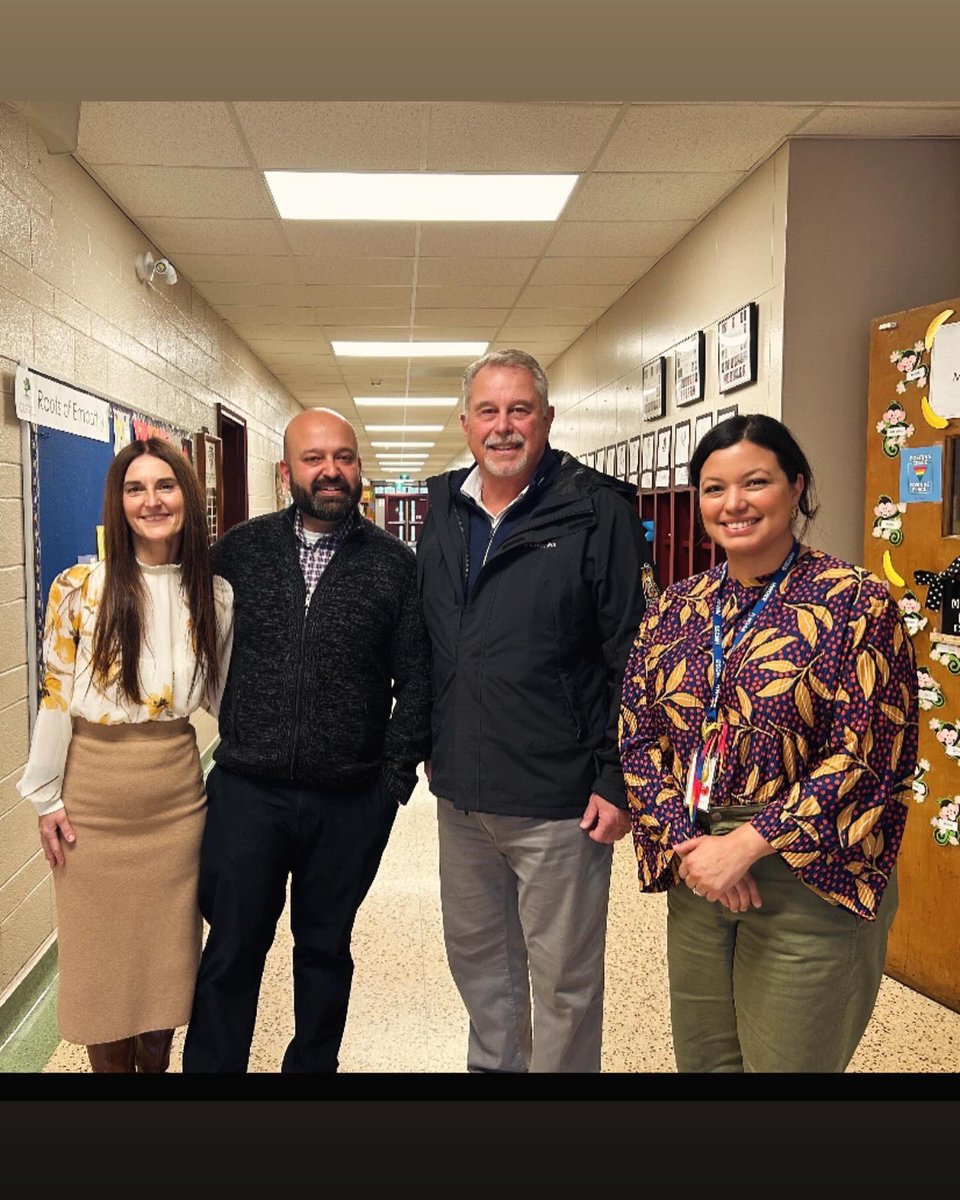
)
(128, 920)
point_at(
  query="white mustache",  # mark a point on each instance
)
(513, 444)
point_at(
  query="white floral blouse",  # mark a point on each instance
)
(166, 668)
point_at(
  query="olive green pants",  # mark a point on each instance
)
(786, 987)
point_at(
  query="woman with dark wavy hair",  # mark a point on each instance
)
(768, 740)
(132, 646)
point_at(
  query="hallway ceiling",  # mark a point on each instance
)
(189, 174)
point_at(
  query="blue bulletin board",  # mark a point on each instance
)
(63, 496)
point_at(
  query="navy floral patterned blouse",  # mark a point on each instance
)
(821, 700)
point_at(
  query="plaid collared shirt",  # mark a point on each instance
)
(315, 556)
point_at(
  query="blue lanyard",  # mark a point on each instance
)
(718, 663)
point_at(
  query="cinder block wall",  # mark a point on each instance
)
(71, 304)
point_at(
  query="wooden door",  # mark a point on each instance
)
(905, 533)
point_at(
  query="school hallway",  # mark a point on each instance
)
(406, 1016)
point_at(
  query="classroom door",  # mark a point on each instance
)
(911, 536)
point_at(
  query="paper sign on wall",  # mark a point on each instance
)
(921, 474)
(49, 402)
(945, 371)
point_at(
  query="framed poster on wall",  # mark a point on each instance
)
(653, 388)
(737, 348)
(610, 460)
(621, 471)
(688, 370)
(664, 442)
(703, 425)
(633, 457)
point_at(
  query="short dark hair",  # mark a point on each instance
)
(772, 435)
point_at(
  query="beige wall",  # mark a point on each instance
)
(734, 254)
(71, 304)
(873, 227)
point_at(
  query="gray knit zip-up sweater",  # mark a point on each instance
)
(309, 692)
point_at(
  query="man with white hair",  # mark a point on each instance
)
(530, 575)
(324, 717)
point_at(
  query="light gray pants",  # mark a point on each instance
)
(525, 904)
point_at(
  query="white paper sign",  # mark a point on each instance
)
(59, 406)
(945, 371)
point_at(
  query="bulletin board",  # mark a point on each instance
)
(63, 478)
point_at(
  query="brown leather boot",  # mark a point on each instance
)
(113, 1057)
(153, 1051)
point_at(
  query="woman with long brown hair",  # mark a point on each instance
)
(132, 646)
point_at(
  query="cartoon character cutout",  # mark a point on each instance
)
(889, 520)
(948, 735)
(895, 429)
(946, 824)
(921, 790)
(929, 694)
(909, 607)
(911, 366)
(947, 656)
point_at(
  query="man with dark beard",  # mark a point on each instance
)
(324, 717)
(530, 567)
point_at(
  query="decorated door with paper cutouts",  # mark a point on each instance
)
(912, 540)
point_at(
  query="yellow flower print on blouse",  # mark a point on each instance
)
(51, 695)
(157, 705)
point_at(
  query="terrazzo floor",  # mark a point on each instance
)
(406, 1016)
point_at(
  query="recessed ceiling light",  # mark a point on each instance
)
(401, 429)
(388, 456)
(423, 196)
(401, 445)
(409, 349)
(406, 401)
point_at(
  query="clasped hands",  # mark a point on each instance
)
(717, 867)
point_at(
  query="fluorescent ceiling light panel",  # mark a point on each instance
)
(409, 349)
(401, 445)
(424, 196)
(404, 429)
(406, 402)
(384, 457)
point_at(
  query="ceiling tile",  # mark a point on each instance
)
(266, 331)
(473, 272)
(159, 133)
(217, 293)
(352, 272)
(684, 196)
(713, 137)
(450, 333)
(348, 136)
(582, 271)
(885, 122)
(352, 239)
(581, 316)
(238, 268)
(397, 318)
(558, 295)
(329, 296)
(440, 318)
(212, 236)
(261, 314)
(467, 297)
(523, 138)
(517, 328)
(479, 239)
(588, 239)
(187, 192)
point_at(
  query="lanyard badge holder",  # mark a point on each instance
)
(707, 760)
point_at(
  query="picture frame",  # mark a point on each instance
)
(609, 460)
(724, 414)
(653, 385)
(622, 461)
(681, 476)
(737, 348)
(664, 443)
(646, 481)
(633, 457)
(689, 369)
(647, 446)
(702, 426)
(681, 444)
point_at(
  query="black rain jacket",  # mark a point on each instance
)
(527, 672)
